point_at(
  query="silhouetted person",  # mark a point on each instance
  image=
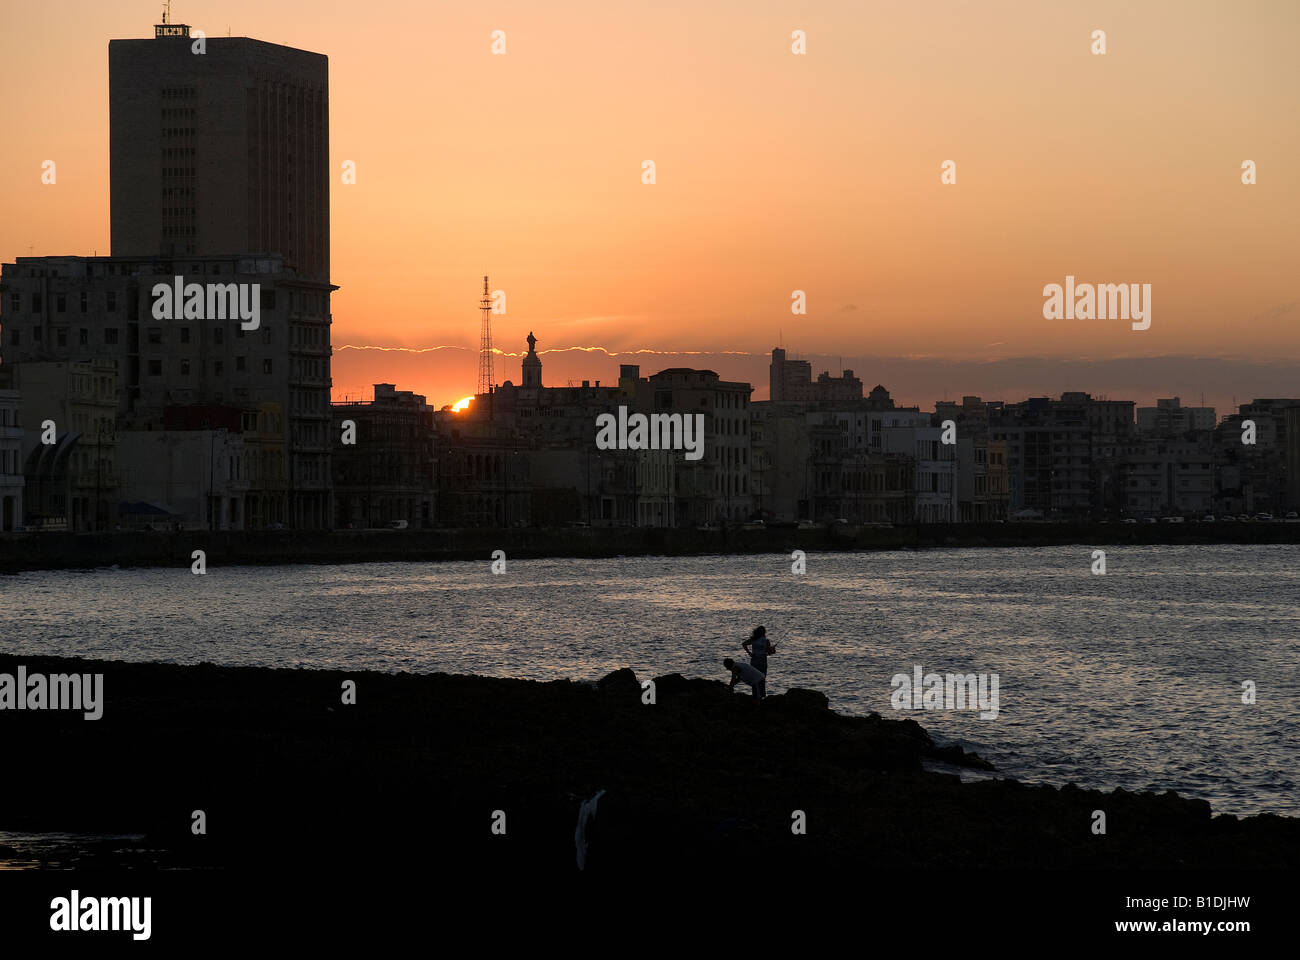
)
(743, 671)
(758, 647)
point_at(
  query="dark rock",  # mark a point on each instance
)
(804, 699)
(620, 682)
(674, 687)
(257, 750)
(955, 755)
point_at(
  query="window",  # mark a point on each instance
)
(83, 298)
(155, 367)
(62, 336)
(110, 335)
(111, 301)
(36, 303)
(15, 302)
(266, 334)
(266, 366)
(218, 367)
(36, 334)
(15, 337)
(185, 334)
(83, 337)
(239, 364)
(268, 299)
(61, 302)
(155, 335)
(218, 334)
(185, 368)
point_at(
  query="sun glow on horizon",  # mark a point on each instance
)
(461, 404)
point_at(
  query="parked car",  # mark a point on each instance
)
(397, 524)
(754, 525)
(1148, 519)
(809, 525)
(1292, 515)
(1263, 517)
(1208, 518)
(1129, 520)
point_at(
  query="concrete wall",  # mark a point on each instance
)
(31, 551)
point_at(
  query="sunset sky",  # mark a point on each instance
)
(775, 172)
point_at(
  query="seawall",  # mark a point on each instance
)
(37, 551)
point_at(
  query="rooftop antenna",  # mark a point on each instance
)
(485, 343)
(167, 11)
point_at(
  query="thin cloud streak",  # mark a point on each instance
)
(641, 351)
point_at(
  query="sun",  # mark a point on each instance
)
(461, 404)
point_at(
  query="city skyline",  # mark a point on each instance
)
(571, 446)
(762, 188)
(917, 381)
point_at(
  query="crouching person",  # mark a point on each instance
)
(742, 671)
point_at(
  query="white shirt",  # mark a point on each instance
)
(749, 674)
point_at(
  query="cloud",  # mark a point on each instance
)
(372, 346)
(640, 351)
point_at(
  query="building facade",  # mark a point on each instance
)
(384, 470)
(1169, 418)
(221, 152)
(11, 453)
(69, 444)
(65, 309)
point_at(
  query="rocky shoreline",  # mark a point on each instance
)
(423, 767)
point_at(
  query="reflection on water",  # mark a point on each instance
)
(1129, 679)
(74, 851)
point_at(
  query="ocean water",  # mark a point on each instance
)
(1133, 678)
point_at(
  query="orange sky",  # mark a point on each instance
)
(775, 172)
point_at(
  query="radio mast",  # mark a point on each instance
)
(485, 343)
